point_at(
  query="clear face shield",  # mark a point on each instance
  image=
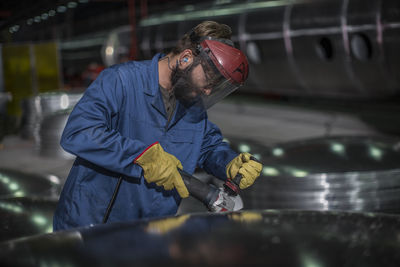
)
(201, 85)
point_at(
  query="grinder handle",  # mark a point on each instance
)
(236, 180)
(198, 189)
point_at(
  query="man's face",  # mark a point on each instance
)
(190, 84)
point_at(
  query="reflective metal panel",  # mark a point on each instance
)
(25, 216)
(17, 184)
(329, 48)
(339, 173)
(248, 238)
(44, 119)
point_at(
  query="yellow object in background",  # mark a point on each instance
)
(17, 75)
(164, 226)
(47, 67)
(246, 216)
(29, 69)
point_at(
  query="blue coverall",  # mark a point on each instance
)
(120, 115)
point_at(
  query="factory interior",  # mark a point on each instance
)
(320, 110)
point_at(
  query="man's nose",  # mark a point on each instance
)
(207, 91)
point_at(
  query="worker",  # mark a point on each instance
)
(142, 120)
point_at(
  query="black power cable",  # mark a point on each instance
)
(112, 200)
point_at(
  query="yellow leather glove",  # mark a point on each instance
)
(160, 167)
(249, 169)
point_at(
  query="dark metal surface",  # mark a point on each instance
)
(249, 238)
(17, 184)
(331, 173)
(328, 48)
(25, 216)
(44, 119)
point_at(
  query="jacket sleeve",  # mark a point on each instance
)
(90, 132)
(215, 154)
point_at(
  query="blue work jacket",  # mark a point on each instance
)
(120, 114)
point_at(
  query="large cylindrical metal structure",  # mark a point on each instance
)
(313, 48)
(249, 238)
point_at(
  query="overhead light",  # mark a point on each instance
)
(109, 50)
(64, 101)
(72, 4)
(52, 13)
(44, 16)
(37, 19)
(13, 29)
(29, 21)
(61, 9)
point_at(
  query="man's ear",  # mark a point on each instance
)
(186, 58)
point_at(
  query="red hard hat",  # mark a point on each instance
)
(230, 61)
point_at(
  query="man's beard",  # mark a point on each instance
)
(184, 89)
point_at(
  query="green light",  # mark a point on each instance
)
(270, 171)
(11, 207)
(309, 261)
(338, 148)
(375, 153)
(278, 152)
(39, 220)
(13, 186)
(299, 173)
(17, 209)
(19, 194)
(4, 179)
(244, 148)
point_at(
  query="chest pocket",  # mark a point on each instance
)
(182, 136)
(185, 145)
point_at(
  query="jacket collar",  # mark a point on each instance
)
(152, 76)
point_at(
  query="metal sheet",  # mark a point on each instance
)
(249, 238)
(329, 173)
(17, 184)
(25, 216)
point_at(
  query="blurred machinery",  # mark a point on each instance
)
(309, 48)
(27, 203)
(358, 173)
(45, 117)
(4, 98)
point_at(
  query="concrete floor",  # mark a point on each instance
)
(267, 123)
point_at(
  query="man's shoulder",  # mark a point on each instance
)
(131, 66)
